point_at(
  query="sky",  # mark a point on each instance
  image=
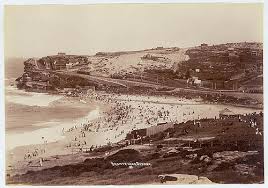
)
(41, 30)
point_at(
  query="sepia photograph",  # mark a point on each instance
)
(133, 94)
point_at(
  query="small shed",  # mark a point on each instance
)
(227, 113)
(160, 127)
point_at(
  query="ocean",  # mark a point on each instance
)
(30, 116)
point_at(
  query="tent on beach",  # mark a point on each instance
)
(226, 113)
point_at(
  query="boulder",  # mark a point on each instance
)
(191, 156)
(245, 169)
(205, 158)
(183, 179)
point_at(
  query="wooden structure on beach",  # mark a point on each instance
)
(150, 131)
(160, 127)
(226, 113)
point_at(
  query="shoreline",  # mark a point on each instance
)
(106, 128)
(53, 126)
(194, 102)
(54, 131)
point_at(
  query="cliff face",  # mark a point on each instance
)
(50, 72)
(44, 74)
(214, 65)
(30, 65)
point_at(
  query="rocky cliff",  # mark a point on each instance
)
(220, 64)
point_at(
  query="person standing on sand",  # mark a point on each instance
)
(29, 155)
(41, 161)
(43, 150)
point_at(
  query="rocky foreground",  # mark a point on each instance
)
(219, 151)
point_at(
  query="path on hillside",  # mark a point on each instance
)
(124, 83)
(130, 83)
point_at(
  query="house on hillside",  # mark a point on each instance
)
(61, 54)
(197, 82)
(69, 65)
(60, 64)
(254, 53)
(194, 81)
(203, 46)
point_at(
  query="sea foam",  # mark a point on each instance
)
(52, 133)
(29, 98)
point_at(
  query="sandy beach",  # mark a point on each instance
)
(109, 119)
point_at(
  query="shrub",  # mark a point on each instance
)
(126, 155)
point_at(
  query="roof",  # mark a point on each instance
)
(173, 151)
(226, 112)
(197, 81)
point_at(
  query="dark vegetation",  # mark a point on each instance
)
(235, 168)
(219, 64)
(64, 81)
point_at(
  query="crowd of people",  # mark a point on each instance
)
(36, 152)
(127, 113)
(252, 120)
